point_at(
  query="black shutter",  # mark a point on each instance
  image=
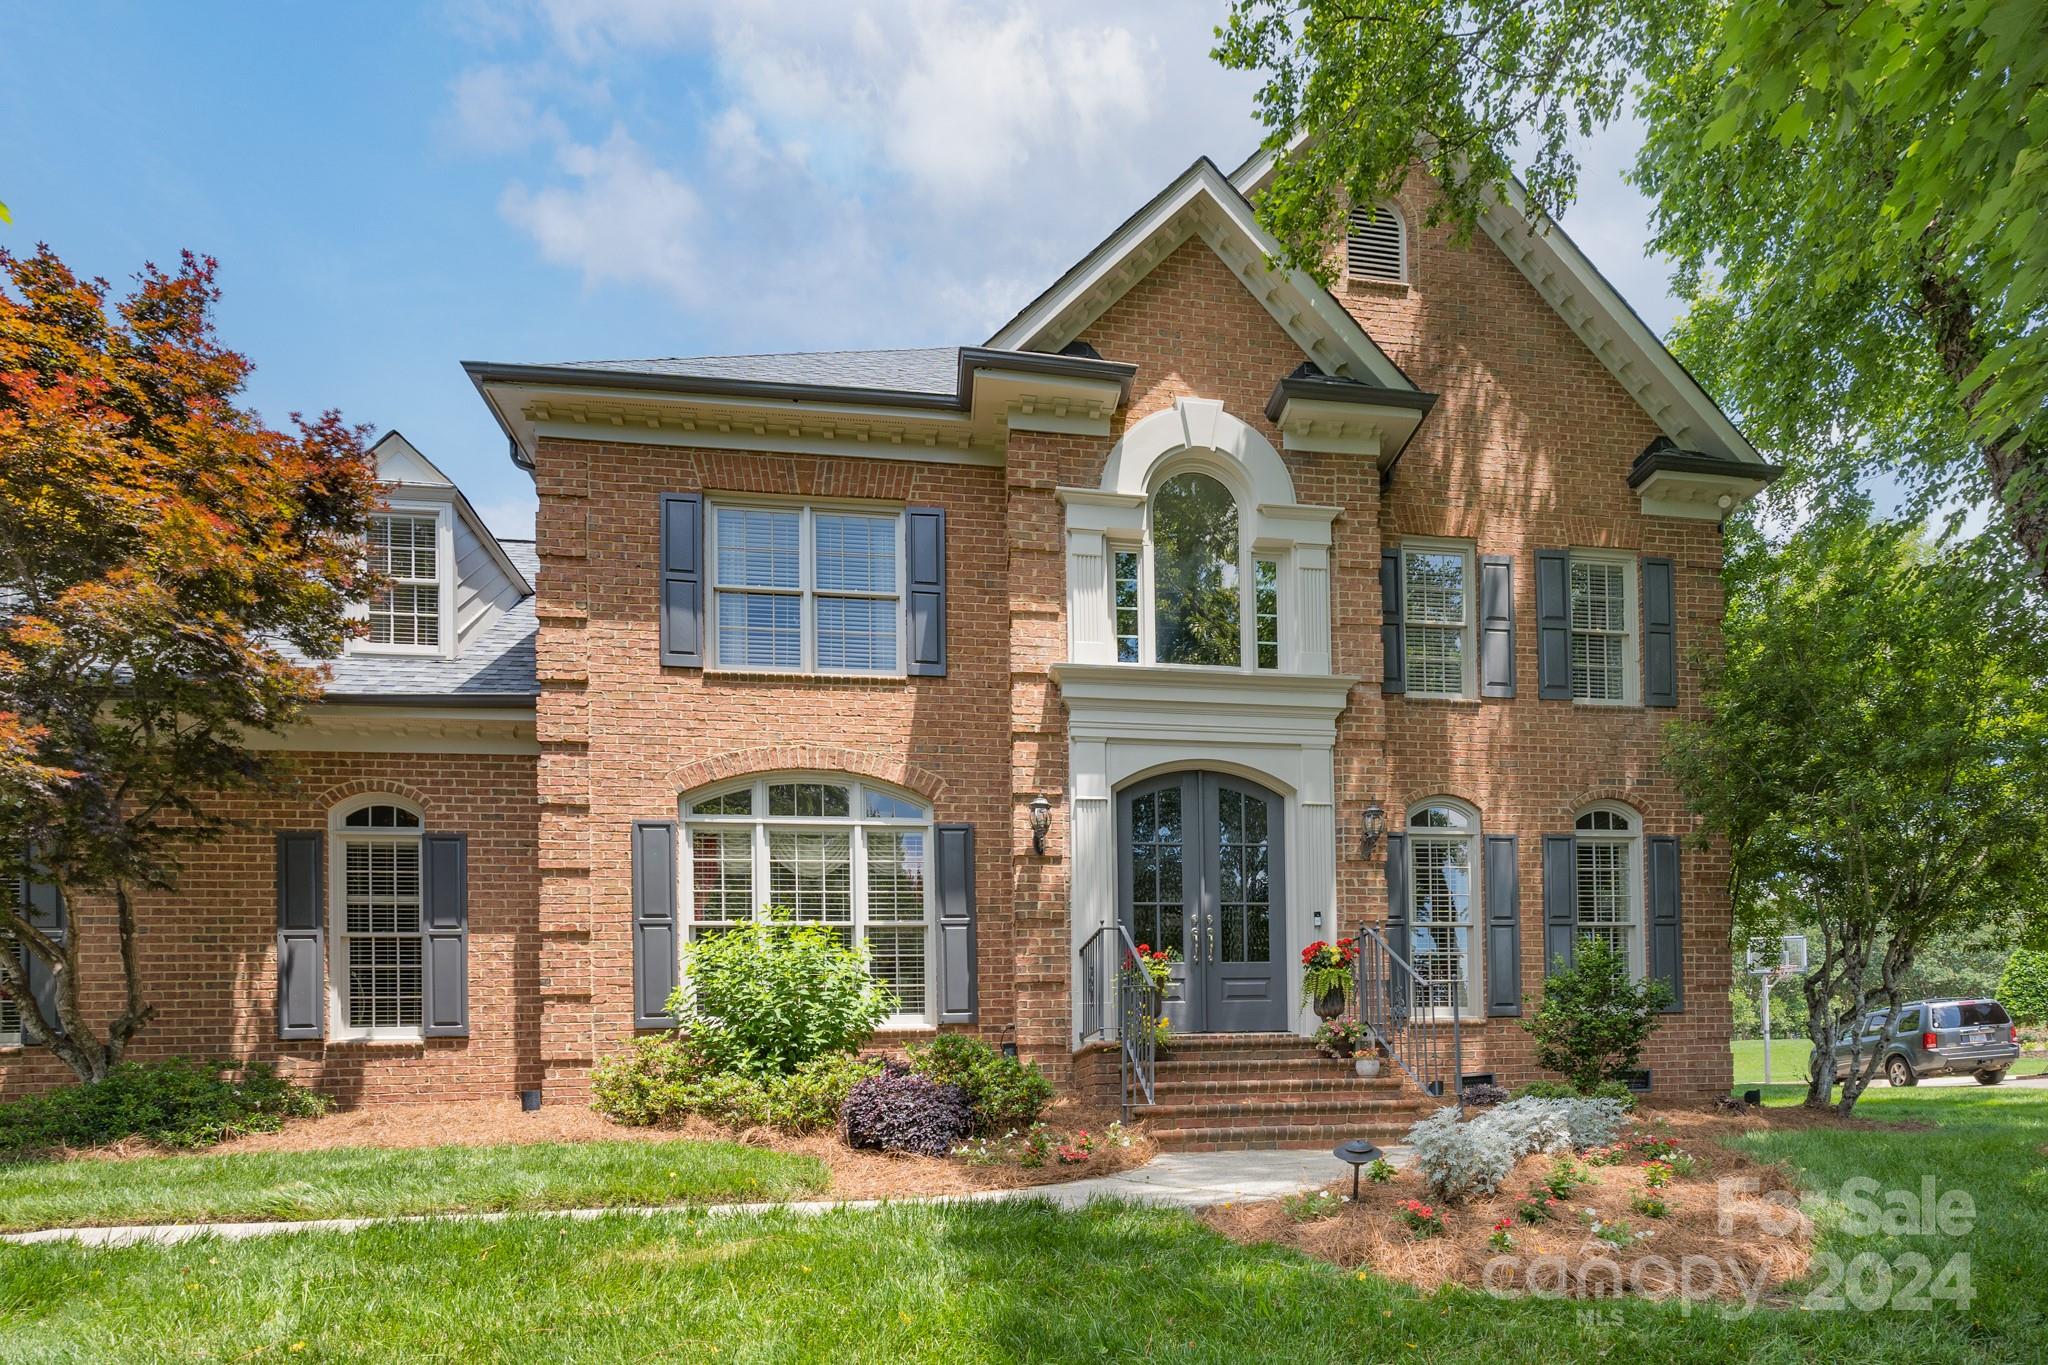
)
(1394, 671)
(1560, 901)
(1660, 633)
(1667, 936)
(953, 868)
(43, 907)
(654, 922)
(1503, 927)
(924, 553)
(1398, 916)
(682, 580)
(444, 929)
(1553, 626)
(301, 936)
(1496, 626)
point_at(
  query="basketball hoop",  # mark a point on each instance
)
(1771, 963)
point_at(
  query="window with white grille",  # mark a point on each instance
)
(1437, 633)
(1608, 889)
(1376, 247)
(378, 954)
(1602, 636)
(10, 1012)
(802, 589)
(829, 851)
(406, 550)
(1441, 907)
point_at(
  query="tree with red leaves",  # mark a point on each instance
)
(159, 546)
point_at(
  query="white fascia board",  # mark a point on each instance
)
(1203, 202)
(1131, 701)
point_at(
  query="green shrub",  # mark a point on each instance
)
(174, 1103)
(809, 1098)
(732, 1099)
(764, 999)
(1593, 1020)
(1006, 1093)
(1564, 1090)
(651, 1082)
(2023, 986)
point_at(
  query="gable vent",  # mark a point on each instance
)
(1376, 247)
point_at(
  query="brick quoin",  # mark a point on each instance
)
(1527, 447)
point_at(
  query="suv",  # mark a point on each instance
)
(1938, 1038)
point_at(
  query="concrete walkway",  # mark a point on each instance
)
(1189, 1180)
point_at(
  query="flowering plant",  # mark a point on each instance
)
(1502, 1238)
(1534, 1208)
(1156, 963)
(1344, 1037)
(1326, 968)
(1657, 1174)
(1422, 1220)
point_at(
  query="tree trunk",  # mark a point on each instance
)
(2016, 470)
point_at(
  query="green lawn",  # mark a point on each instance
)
(1001, 1282)
(358, 1181)
(1788, 1062)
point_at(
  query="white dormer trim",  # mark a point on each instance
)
(407, 473)
(1203, 203)
(442, 513)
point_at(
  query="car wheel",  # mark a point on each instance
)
(1900, 1073)
(1990, 1077)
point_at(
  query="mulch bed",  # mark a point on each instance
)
(1764, 1243)
(855, 1174)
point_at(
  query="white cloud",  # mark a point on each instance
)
(622, 219)
(498, 109)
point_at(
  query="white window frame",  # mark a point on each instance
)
(339, 835)
(1249, 552)
(1468, 630)
(806, 590)
(857, 825)
(444, 568)
(1630, 841)
(1400, 233)
(1473, 923)
(1631, 616)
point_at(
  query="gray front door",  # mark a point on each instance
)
(1200, 865)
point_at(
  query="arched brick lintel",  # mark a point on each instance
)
(820, 758)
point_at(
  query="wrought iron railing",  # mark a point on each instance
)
(1421, 1037)
(1120, 1000)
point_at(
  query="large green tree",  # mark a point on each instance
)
(159, 545)
(1873, 756)
(1855, 195)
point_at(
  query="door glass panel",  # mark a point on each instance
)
(1243, 864)
(1156, 867)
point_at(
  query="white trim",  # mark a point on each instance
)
(1631, 615)
(856, 824)
(1468, 631)
(806, 592)
(442, 514)
(338, 1029)
(1202, 202)
(1474, 924)
(1634, 845)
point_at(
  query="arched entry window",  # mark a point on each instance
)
(818, 849)
(1443, 841)
(1209, 604)
(377, 963)
(1608, 890)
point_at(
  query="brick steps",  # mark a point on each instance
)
(1234, 1092)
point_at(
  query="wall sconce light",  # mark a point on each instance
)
(1372, 824)
(1041, 821)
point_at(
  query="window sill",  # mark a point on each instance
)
(797, 675)
(1596, 704)
(414, 1042)
(1431, 700)
(1372, 284)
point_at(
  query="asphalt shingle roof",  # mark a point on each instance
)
(499, 665)
(926, 369)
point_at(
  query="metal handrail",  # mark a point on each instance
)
(1111, 954)
(1386, 988)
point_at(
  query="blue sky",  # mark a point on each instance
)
(391, 190)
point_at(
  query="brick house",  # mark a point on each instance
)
(1218, 568)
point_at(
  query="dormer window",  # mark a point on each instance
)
(405, 547)
(1376, 247)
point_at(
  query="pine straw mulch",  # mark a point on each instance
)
(855, 1174)
(1767, 1244)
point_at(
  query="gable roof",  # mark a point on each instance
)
(401, 462)
(1594, 309)
(1202, 202)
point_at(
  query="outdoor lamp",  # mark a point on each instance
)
(1372, 824)
(1041, 821)
(1356, 1153)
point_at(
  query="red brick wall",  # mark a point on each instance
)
(209, 954)
(622, 738)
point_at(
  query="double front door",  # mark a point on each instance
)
(1200, 873)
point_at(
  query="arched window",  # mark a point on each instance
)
(1376, 246)
(818, 850)
(1194, 572)
(376, 977)
(1443, 900)
(1608, 889)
